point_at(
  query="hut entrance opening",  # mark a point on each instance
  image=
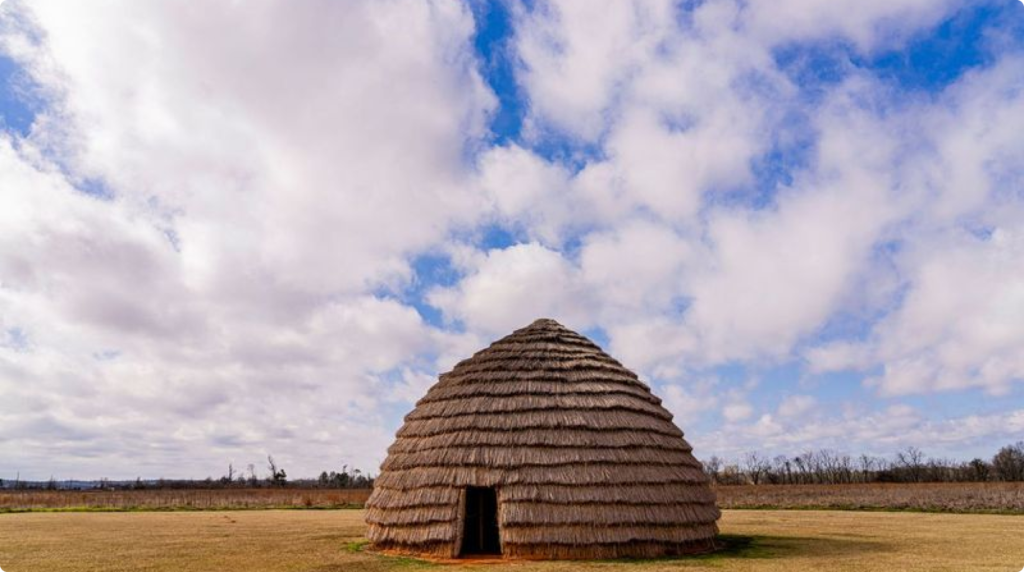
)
(480, 535)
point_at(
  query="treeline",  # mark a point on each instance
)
(274, 477)
(829, 467)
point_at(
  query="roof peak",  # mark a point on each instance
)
(545, 322)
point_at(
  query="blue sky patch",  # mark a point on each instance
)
(934, 59)
(17, 108)
(493, 43)
(429, 271)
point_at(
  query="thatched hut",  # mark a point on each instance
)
(541, 446)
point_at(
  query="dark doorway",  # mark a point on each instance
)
(480, 535)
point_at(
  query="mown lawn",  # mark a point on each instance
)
(328, 541)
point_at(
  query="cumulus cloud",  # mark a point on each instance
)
(691, 402)
(959, 303)
(945, 338)
(664, 101)
(256, 188)
(681, 107)
(797, 405)
(272, 153)
(654, 345)
(881, 432)
(779, 275)
(838, 356)
(636, 267)
(873, 23)
(576, 56)
(528, 192)
(509, 288)
(892, 247)
(737, 411)
(688, 111)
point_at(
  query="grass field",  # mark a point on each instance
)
(1004, 498)
(190, 499)
(331, 541)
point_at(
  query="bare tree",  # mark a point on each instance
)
(229, 478)
(912, 461)
(812, 462)
(712, 467)
(980, 470)
(277, 475)
(827, 466)
(779, 470)
(869, 467)
(756, 466)
(801, 468)
(731, 475)
(1009, 462)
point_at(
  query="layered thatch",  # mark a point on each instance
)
(585, 460)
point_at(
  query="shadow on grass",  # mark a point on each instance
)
(741, 547)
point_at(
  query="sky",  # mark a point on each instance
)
(234, 229)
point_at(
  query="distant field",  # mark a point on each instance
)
(929, 497)
(181, 499)
(939, 497)
(332, 541)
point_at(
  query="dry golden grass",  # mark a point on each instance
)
(322, 541)
(931, 497)
(186, 499)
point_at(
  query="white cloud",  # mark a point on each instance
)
(654, 344)
(683, 109)
(667, 170)
(527, 191)
(873, 23)
(881, 432)
(797, 405)
(510, 288)
(106, 352)
(576, 56)
(265, 182)
(690, 402)
(637, 267)
(412, 387)
(959, 297)
(737, 411)
(662, 100)
(962, 320)
(975, 168)
(838, 356)
(273, 154)
(778, 276)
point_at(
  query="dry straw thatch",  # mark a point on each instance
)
(585, 460)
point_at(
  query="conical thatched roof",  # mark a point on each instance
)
(585, 460)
